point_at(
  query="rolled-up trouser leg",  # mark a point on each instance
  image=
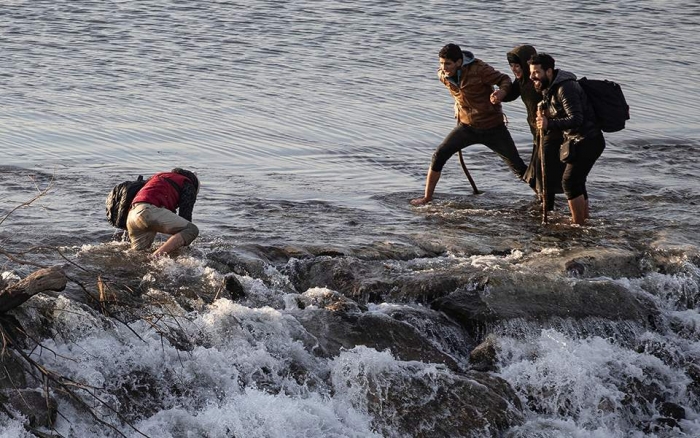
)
(459, 138)
(576, 173)
(189, 233)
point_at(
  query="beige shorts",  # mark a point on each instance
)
(145, 220)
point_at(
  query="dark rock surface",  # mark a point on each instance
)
(538, 298)
(337, 330)
(441, 404)
(39, 410)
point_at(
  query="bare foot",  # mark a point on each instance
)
(420, 201)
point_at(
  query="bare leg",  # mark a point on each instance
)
(174, 242)
(578, 210)
(430, 182)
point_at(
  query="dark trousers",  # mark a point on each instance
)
(497, 139)
(554, 169)
(576, 173)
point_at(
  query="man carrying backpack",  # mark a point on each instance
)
(153, 211)
(566, 109)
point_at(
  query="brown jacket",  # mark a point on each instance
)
(473, 106)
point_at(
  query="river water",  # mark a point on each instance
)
(311, 124)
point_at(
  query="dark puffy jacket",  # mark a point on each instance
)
(524, 87)
(568, 107)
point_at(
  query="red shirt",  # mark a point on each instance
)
(160, 192)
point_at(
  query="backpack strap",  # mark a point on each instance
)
(174, 184)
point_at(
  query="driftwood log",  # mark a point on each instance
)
(42, 280)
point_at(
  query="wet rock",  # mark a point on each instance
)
(440, 330)
(661, 424)
(329, 300)
(279, 255)
(340, 274)
(441, 404)
(590, 263)
(693, 371)
(234, 287)
(672, 410)
(11, 371)
(484, 356)
(227, 261)
(39, 409)
(139, 393)
(374, 281)
(606, 406)
(539, 298)
(391, 251)
(336, 330)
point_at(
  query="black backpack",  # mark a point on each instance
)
(119, 201)
(609, 104)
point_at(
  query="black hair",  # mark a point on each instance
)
(187, 174)
(543, 60)
(451, 52)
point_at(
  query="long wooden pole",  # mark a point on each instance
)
(543, 184)
(469, 177)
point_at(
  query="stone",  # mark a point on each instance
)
(540, 298)
(234, 287)
(484, 356)
(672, 410)
(40, 410)
(406, 402)
(339, 330)
(11, 371)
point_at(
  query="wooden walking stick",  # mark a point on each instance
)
(469, 177)
(543, 184)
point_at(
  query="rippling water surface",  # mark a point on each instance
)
(312, 123)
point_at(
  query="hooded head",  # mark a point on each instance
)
(518, 58)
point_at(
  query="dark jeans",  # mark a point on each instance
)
(576, 173)
(497, 139)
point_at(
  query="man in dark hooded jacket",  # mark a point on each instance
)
(479, 120)
(567, 109)
(524, 88)
(153, 211)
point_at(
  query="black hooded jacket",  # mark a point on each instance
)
(524, 87)
(568, 107)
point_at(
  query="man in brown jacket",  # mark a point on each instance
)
(479, 116)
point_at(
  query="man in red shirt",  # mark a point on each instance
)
(153, 211)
